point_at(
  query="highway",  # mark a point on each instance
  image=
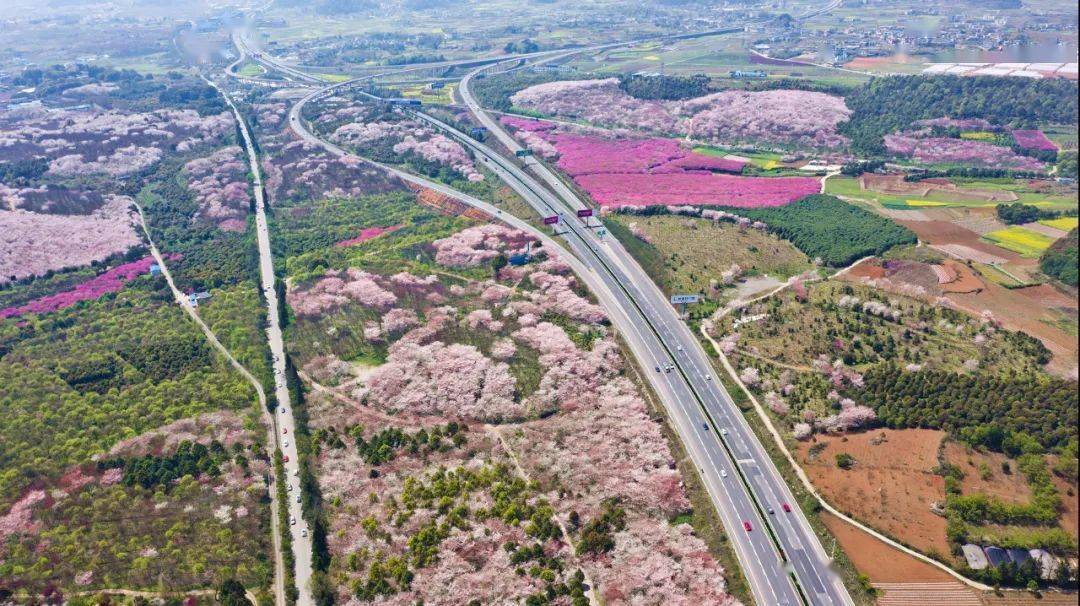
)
(806, 557)
(741, 479)
(752, 484)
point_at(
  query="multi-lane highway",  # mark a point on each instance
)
(780, 555)
(719, 429)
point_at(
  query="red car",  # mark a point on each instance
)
(747, 526)
(286, 458)
(787, 508)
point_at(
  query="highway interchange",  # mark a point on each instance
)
(780, 555)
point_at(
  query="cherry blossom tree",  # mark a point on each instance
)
(446, 380)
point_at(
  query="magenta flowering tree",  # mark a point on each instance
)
(1033, 139)
(110, 281)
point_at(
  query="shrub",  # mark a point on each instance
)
(845, 460)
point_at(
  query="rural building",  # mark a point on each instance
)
(155, 270)
(997, 556)
(195, 297)
(1047, 563)
(1018, 556)
(976, 559)
(739, 74)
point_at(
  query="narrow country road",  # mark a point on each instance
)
(285, 426)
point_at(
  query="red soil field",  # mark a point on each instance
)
(1011, 488)
(1019, 309)
(877, 560)
(891, 486)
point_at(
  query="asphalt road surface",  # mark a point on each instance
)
(285, 424)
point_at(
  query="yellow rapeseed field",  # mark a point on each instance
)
(1062, 223)
(1018, 239)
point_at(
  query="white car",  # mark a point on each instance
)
(288, 488)
(723, 431)
(286, 443)
(303, 532)
(723, 474)
(297, 498)
(292, 520)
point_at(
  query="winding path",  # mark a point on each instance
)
(268, 419)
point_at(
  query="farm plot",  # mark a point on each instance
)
(697, 252)
(646, 172)
(890, 492)
(1064, 223)
(1026, 242)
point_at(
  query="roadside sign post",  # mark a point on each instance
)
(553, 221)
(681, 301)
(584, 214)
